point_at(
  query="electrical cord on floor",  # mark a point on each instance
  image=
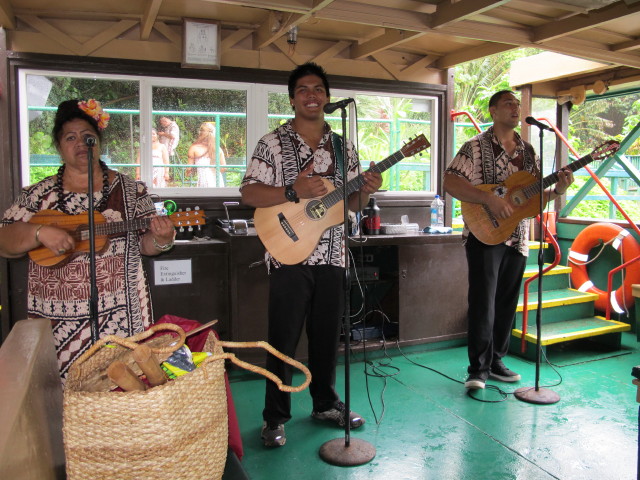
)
(377, 369)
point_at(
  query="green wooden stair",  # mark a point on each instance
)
(566, 313)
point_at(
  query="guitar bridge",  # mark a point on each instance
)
(286, 226)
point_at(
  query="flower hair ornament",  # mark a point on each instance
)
(93, 108)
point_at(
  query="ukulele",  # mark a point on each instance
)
(522, 191)
(78, 227)
(291, 231)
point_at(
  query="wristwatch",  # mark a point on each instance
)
(290, 194)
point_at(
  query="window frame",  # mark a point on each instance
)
(256, 111)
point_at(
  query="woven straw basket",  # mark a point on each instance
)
(178, 430)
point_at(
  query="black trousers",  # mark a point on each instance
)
(495, 277)
(300, 294)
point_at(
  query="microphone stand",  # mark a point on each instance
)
(346, 452)
(90, 141)
(537, 395)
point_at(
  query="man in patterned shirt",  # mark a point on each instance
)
(495, 271)
(287, 165)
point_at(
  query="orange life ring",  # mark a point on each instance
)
(621, 240)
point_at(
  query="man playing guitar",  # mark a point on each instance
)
(495, 271)
(290, 164)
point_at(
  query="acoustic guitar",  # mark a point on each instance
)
(78, 227)
(291, 231)
(522, 191)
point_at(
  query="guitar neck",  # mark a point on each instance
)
(356, 184)
(549, 180)
(111, 228)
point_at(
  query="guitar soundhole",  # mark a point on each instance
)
(316, 209)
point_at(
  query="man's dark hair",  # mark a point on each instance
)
(309, 68)
(495, 98)
(67, 111)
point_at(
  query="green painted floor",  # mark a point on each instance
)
(423, 425)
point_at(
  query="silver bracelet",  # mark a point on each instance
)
(162, 248)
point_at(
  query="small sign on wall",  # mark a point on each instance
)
(172, 272)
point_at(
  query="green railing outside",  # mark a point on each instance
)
(620, 178)
(178, 171)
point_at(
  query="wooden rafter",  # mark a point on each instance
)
(578, 23)
(389, 39)
(448, 13)
(626, 46)
(331, 52)
(149, 18)
(466, 54)
(7, 17)
(72, 45)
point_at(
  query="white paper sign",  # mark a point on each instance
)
(172, 272)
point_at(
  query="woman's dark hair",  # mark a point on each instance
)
(303, 70)
(67, 111)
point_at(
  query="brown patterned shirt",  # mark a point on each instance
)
(482, 160)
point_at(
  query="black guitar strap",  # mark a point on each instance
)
(290, 165)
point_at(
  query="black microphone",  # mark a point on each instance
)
(332, 107)
(540, 125)
(89, 140)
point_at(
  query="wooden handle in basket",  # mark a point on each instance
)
(124, 377)
(149, 364)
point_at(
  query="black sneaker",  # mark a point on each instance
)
(273, 435)
(336, 415)
(501, 373)
(475, 381)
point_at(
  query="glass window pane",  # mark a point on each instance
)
(208, 146)
(385, 124)
(118, 97)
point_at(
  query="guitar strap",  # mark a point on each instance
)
(290, 167)
(336, 140)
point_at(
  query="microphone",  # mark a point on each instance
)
(332, 107)
(89, 140)
(540, 125)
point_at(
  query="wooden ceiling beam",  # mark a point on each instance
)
(149, 18)
(467, 54)
(626, 46)
(448, 13)
(331, 52)
(72, 45)
(7, 17)
(388, 66)
(289, 51)
(389, 39)
(578, 23)
(580, 49)
(291, 6)
(235, 37)
(265, 35)
(372, 15)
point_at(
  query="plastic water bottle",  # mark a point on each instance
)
(437, 212)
